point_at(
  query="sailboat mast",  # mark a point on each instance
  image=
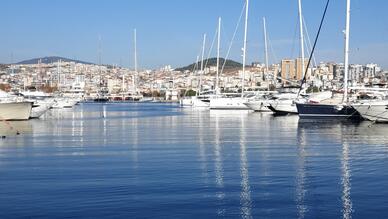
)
(347, 33)
(202, 62)
(266, 49)
(218, 53)
(301, 36)
(135, 57)
(245, 48)
(99, 59)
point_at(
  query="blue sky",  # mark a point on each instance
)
(170, 31)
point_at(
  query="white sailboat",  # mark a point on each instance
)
(334, 107)
(261, 101)
(235, 103)
(203, 98)
(285, 105)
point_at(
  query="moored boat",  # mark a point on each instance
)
(15, 110)
(376, 111)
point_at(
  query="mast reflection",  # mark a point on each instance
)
(202, 147)
(301, 173)
(347, 206)
(219, 169)
(245, 196)
(135, 140)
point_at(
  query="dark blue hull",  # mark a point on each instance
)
(325, 111)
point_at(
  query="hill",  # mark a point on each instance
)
(230, 64)
(48, 60)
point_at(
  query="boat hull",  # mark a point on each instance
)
(283, 107)
(327, 111)
(40, 108)
(377, 112)
(15, 111)
(257, 106)
(228, 104)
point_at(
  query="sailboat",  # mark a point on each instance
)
(201, 99)
(261, 101)
(235, 103)
(333, 107)
(286, 103)
(102, 93)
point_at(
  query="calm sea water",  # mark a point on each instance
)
(160, 161)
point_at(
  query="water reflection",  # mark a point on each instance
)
(345, 181)
(104, 121)
(245, 196)
(301, 174)
(12, 128)
(202, 147)
(135, 140)
(219, 170)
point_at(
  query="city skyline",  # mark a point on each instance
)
(170, 32)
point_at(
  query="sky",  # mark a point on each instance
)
(169, 32)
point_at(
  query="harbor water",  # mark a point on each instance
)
(151, 160)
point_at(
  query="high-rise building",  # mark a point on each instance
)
(299, 71)
(288, 69)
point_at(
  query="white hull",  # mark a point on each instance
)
(15, 111)
(284, 106)
(193, 102)
(258, 106)
(40, 108)
(226, 103)
(61, 103)
(375, 111)
(199, 103)
(186, 102)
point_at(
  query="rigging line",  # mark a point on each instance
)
(197, 60)
(233, 37)
(308, 43)
(315, 44)
(211, 48)
(294, 38)
(276, 59)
